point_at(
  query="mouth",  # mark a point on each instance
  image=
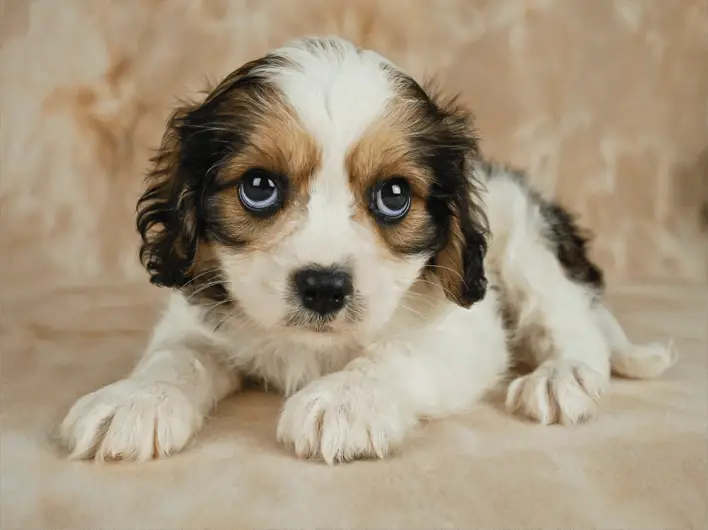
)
(310, 322)
(318, 328)
(302, 319)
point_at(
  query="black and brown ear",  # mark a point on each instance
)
(459, 265)
(198, 140)
(455, 205)
(168, 217)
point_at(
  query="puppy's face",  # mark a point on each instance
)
(310, 190)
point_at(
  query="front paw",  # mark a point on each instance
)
(558, 391)
(129, 420)
(343, 417)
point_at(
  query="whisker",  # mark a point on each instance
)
(205, 287)
(403, 306)
(200, 275)
(421, 297)
(450, 270)
(217, 304)
(436, 284)
(219, 324)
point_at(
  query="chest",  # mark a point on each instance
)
(285, 364)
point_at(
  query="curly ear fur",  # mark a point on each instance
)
(168, 219)
(198, 139)
(171, 219)
(455, 204)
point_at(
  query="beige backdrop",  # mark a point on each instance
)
(604, 101)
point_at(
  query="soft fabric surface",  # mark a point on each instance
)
(603, 100)
(640, 464)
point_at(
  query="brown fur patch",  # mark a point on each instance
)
(278, 144)
(430, 142)
(384, 152)
(192, 196)
(449, 266)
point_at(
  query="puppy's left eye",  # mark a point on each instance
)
(259, 191)
(391, 199)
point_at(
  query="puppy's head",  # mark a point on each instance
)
(311, 189)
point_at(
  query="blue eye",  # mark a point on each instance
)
(259, 191)
(392, 199)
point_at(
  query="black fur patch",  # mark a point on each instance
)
(570, 243)
(567, 238)
(171, 214)
(445, 142)
(174, 217)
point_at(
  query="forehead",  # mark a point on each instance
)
(336, 90)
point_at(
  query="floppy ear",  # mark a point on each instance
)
(459, 265)
(167, 212)
(456, 206)
(197, 141)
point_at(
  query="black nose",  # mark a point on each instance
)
(323, 290)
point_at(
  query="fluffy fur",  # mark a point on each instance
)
(480, 272)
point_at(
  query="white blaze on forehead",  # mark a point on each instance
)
(338, 91)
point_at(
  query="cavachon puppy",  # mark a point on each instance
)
(328, 227)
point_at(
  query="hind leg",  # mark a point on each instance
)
(554, 329)
(557, 333)
(636, 361)
(549, 287)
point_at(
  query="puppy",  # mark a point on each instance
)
(326, 225)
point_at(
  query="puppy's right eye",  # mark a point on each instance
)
(260, 191)
(391, 200)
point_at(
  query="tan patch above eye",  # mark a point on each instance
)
(278, 144)
(384, 152)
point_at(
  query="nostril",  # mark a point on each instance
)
(310, 294)
(323, 290)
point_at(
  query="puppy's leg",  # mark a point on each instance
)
(558, 334)
(636, 361)
(369, 408)
(555, 329)
(158, 408)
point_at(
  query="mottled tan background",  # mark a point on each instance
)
(604, 101)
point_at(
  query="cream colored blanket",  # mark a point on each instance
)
(603, 101)
(640, 464)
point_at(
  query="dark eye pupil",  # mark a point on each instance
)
(259, 188)
(259, 192)
(394, 196)
(391, 200)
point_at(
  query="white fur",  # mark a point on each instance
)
(359, 391)
(562, 328)
(336, 107)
